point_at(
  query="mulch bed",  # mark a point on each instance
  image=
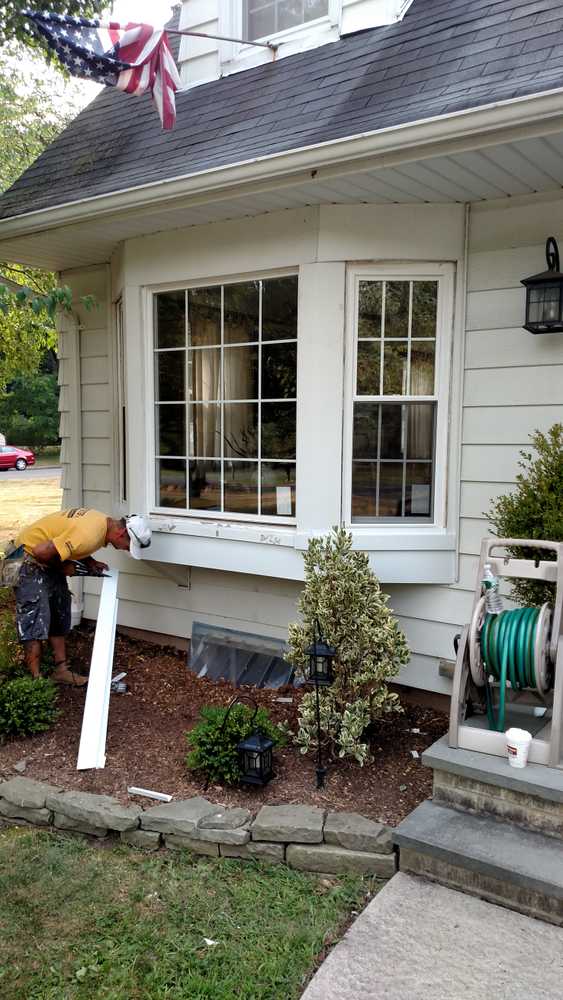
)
(146, 743)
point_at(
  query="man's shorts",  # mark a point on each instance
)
(42, 602)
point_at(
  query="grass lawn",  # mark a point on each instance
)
(25, 500)
(80, 922)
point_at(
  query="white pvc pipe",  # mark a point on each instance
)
(92, 749)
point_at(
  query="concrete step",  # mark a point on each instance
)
(500, 862)
(421, 941)
(477, 782)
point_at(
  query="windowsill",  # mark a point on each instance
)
(411, 554)
(300, 38)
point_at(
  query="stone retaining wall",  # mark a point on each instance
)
(302, 837)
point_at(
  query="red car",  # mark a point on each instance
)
(15, 458)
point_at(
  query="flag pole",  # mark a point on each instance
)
(221, 38)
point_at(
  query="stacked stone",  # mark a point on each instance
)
(301, 836)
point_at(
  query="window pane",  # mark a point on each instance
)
(261, 20)
(278, 430)
(205, 485)
(171, 430)
(241, 487)
(395, 368)
(278, 489)
(422, 367)
(424, 307)
(171, 479)
(171, 319)
(391, 489)
(204, 316)
(205, 430)
(364, 490)
(393, 431)
(240, 373)
(279, 371)
(240, 433)
(420, 430)
(170, 375)
(418, 492)
(397, 308)
(279, 308)
(369, 355)
(315, 8)
(369, 316)
(366, 423)
(204, 373)
(290, 13)
(241, 312)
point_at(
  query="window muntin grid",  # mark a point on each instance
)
(267, 17)
(395, 401)
(225, 367)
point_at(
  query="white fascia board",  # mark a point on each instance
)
(530, 115)
(92, 749)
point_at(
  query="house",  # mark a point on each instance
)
(310, 301)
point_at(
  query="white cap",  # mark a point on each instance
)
(139, 531)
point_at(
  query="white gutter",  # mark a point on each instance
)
(522, 117)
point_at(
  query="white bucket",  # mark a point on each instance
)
(518, 746)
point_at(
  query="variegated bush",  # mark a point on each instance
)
(343, 594)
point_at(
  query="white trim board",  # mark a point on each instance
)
(92, 749)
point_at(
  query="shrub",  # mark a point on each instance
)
(534, 509)
(27, 706)
(11, 652)
(343, 594)
(213, 750)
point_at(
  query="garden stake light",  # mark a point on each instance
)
(320, 656)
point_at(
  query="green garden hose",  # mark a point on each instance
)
(507, 649)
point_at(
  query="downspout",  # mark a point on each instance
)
(75, 486)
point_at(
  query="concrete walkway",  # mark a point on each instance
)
(420, 941)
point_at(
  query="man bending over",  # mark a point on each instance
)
(52, 545)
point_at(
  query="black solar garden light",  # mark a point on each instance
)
(321, 657)
(544, 295)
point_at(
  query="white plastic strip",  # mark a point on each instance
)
(161, 796)
(92, 750)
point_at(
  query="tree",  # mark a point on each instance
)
(343, 595)
(29, 411)
(16, 28)
(32, 113)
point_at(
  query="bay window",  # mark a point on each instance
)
(225, 370)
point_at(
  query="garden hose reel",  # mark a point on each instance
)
(512, 664)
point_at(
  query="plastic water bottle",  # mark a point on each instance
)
(493, 600)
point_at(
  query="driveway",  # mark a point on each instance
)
(33, 472)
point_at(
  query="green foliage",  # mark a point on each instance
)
(343, 594)
(29, 411)
(213, 749)
(11, 655)
(14, 27)
(534, 509)
(27, 705)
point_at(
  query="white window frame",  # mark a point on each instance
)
(185, 514)
(235, 56)
(121, 403)
(444, 274)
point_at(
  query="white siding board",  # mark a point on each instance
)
(96, 424)
(97, 477)
(99, 500)
(94, 371)
(96, 397)
(96, 451)
(507, 424)
(93, 344)
(489, 463)
(476, 498)
(472, 530)
(429, 604)
(505, 306)
(514, 386)
(512, 348)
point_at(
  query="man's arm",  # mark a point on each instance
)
(47, 554)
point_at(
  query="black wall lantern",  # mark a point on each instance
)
(255, 752)
(321, 657)
(544, 295)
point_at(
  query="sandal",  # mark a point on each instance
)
(67, 676)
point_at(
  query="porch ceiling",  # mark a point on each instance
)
(520, 167)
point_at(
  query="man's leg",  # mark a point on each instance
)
(32, 653)
(58, 645)
(60, 607)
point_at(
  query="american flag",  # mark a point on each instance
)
(133, 57)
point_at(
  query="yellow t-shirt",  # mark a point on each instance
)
(75, 533)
